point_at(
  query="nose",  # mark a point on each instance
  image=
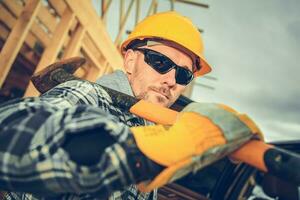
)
(169, 78)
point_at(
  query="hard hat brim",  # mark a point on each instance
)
(205, 67)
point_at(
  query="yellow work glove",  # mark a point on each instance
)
(202, 134)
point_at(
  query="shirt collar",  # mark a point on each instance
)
(117, 81)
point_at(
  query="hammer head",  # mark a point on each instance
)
(44, 80)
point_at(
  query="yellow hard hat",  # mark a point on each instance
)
(175, 28)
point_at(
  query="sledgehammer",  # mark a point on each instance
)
(265, 157)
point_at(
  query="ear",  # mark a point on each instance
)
(129, 61)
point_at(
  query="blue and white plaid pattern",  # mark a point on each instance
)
(33, 129)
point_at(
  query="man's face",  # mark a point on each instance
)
(150, 85)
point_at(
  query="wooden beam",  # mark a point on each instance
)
(88, 42)
(88, 17)
(44, 14)
(10, 21)
(40, 34)
(4, 33)
(194, 3)
(137, 11)
(50, 54)
(17, 37)
(74, 45)
(92, 74)
(91, 55)
(58, 5)
(81, 73)
(91, 52)
(122, 23)
(108, 70)
(121, 16)
(104, 9)
(172, 7)
(7, 18)
(155, 7)
(151, 8)
(47, 19)
(59, 36)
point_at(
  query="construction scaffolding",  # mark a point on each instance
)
(35, 33)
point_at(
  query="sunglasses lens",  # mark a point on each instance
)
(183, 76)
(158, 62)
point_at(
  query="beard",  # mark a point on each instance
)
(157, 99)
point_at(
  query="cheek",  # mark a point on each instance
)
(140, 79)
(179, 90)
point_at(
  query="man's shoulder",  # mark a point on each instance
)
(78, 92)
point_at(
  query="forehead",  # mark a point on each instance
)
(177, 56)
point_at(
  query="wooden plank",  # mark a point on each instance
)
(94, 59)
(14, 7)
(17, 37)
(4, 33)
(42, 36)
(91, 52)
(88, 17)
(47, 19)
(81, 73)
(58, 5)
(104, 10)
(6, 17)
(92, 74)
(137, 11)
(50, 54)
(122, 24)
(30, 40)
(10, 21)
(151, 7)
(108, 70)
(105, 68)
(75, 43)
(72, 29)
(194, 3)
(44, 15)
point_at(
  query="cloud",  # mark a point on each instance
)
(254, 49)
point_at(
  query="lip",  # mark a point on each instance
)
(162, 94)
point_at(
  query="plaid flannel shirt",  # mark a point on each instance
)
(32, 134)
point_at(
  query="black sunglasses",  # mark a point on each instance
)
(162, 64)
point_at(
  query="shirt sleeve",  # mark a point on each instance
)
(66, 141)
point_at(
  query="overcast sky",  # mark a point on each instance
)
(254, 48)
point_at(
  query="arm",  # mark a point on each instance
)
(67, 142)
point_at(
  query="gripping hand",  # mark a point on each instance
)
(202, 134)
